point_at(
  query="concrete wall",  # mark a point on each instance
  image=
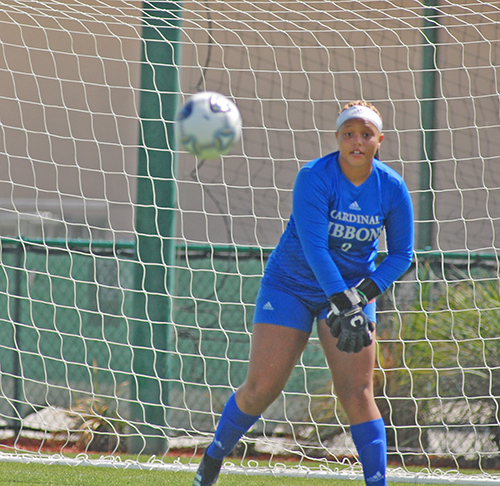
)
(68, 135)
(69, 91)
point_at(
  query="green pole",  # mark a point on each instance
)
(20, 261)
(155, 223)
(425, 238)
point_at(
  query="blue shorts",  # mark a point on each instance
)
(275, 305)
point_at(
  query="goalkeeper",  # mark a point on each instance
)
(324, 269)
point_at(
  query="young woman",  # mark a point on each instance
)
(324, 269)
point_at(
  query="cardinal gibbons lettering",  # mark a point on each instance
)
(355, 218)
(368, 227)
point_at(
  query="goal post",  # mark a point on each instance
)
(424, 237)
(155, 222)
(130, 268)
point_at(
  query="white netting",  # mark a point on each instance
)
(88, 92)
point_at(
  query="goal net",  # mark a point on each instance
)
(130, 268)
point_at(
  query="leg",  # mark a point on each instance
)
(274, 353)
(352, 375)
(353, 381)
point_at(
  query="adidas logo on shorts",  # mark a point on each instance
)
(268, 306)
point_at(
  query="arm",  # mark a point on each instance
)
(310, 211)
(399, 235)
(346, 318)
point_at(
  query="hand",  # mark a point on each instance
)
(348, 322)
(352, 327)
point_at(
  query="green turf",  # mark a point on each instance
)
(35, 474)
(41, 474)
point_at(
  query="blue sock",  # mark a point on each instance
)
(232, 425)
(371, 442)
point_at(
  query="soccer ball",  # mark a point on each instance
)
(208, 125)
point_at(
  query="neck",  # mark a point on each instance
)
(356, 175)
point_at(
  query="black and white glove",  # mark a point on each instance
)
(348, 322)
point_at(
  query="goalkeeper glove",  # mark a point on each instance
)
(348, 322)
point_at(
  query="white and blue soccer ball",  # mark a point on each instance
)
(208, 125)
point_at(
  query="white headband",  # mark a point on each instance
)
(360, 111)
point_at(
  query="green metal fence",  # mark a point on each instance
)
(65, 322)
(67, 312)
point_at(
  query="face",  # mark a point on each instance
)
(358, 142)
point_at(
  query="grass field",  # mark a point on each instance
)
(41, 474)
(26, 469)
(20, 474)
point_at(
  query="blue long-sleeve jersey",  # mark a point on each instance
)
(331, 240)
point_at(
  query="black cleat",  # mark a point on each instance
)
(208, 471)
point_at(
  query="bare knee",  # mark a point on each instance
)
(354, 393)
(358, 402)
(253, 398)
